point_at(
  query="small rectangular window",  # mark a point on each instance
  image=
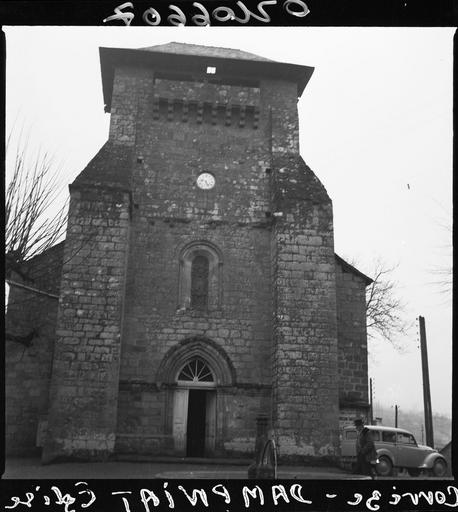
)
(406, 439)
(389, 437)
(211, 70)
(351, 434)
(375, 435)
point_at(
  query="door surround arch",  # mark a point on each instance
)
(193, 401)
(197, 347)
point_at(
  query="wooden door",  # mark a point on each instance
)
(210, 423)
(180, 418)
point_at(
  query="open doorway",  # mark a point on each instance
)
(195, 438)
(194, 416)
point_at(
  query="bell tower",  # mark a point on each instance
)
(196, 225)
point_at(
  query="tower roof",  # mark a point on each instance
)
(193, 59)
(205, 51)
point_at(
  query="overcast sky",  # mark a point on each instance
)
(376, 128)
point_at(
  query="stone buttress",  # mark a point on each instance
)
(85, 375)
(304, 357)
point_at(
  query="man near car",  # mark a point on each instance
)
(366, 454)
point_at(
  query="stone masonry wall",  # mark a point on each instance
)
(169, 212)
(129, 85)
(351, 314)
(85, 377)
(305, 415)
(28, 367)
(154, 323)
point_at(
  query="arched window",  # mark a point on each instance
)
(200, 279)
(196, 370)
(199, 282)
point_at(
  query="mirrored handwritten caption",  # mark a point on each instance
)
(166, 496)
(203, 17)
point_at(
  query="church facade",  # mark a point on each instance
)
(197, 289)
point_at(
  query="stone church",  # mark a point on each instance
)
(197, 289)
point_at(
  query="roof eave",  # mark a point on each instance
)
(110, 58)
(354, 270)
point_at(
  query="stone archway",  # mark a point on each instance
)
(194, 371)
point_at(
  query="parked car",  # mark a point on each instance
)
(396, 448)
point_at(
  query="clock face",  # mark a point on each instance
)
(205, 181)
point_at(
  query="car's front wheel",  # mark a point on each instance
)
(384, 466)
(439, 468)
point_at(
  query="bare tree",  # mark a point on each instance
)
(33, 224)
(443, 273)
(384, 308)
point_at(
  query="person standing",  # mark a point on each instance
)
(366, 454)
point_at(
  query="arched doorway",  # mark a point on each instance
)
(194, 409)
(178, 371)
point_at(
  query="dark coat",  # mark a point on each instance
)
(365, 446)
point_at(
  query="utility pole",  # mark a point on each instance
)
(426, 388)
(396, 416)
(371, 402)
